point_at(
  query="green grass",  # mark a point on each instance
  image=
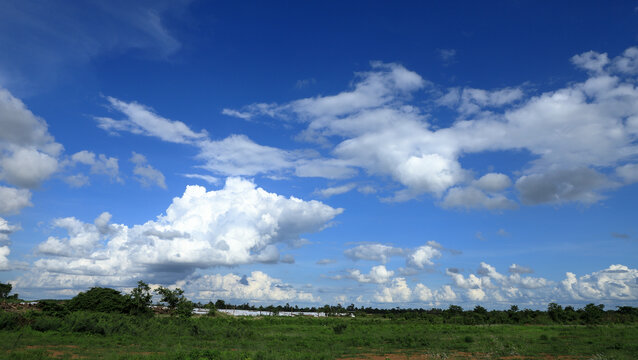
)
(112, 336)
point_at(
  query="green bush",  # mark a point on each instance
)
(46, 323)
(101, 300)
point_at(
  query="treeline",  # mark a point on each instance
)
(454, 314)
(173, 302)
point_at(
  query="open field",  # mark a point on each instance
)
(115, 336)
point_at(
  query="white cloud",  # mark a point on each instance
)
(469, 101)
(578, 128)
(100, 164)
(519, 269)
(6, 230)
(13, 200)
(28, 153)
(238, 155)
(628, 172)
(398, 291)
(208, 178)
(145, 173)
(591, 61)
(422, 256)
(373, 252)
(238, 224)
(336, 190)
(627, 62)
(378, 275)
(493, 182)
(143, 120)
(258, 287)
(617, 282)
(4, 260)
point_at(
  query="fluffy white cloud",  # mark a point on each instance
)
(591, 61)
(238, 224)
(569, 132)
(28, 153)
(145, 174)
(13, 200)
(373, 252)
(398, 291)
(258, 287)
(617, 282)
(422, 256)
(378, 275)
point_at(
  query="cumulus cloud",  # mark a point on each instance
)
(398, 291)
(145, 174)
(258, 287)
(422, 256)
(617, 282)
(373, 252)
(28, 153)
(378, 275)
(13, 200)
(238, 224)
(6, 230)
(569, 132)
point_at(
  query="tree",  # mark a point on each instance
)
(176, 301)
(593, 313)
(140, 299)
(555, 312)
(100, 299)
(5, 289)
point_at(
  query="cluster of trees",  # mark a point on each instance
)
(139, 302)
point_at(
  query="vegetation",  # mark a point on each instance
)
(102, 323)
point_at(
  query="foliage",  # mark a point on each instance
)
(101, 300)
(176, 301)
(5, 289)
(140, 299)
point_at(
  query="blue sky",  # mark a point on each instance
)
(370, 153)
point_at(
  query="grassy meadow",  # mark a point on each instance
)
(94, 335)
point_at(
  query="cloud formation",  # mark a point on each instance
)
(145, 174)
(238, 224)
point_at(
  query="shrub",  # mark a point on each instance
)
(101, 300)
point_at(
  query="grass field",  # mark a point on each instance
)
(113, 336)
